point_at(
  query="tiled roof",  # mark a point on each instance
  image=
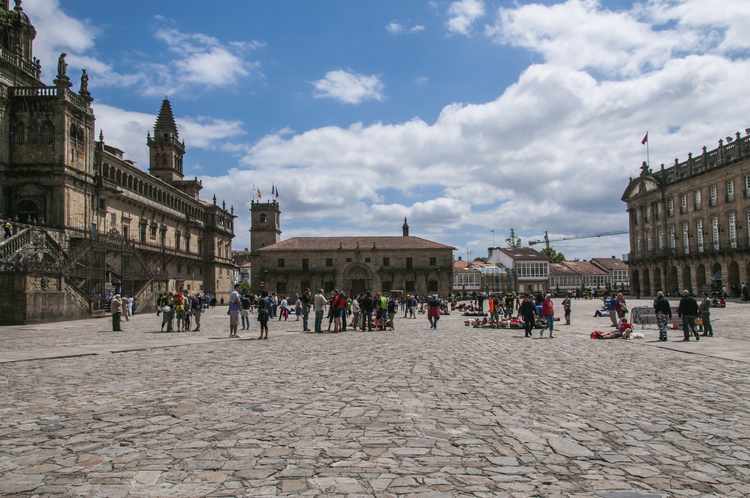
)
(523, 253)
(584, 267)
(351, 243)
(610, 264)
(560, 269)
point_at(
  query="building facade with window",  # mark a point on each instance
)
(353, 264)
(528, 269)
(698, 214)
(109, 224)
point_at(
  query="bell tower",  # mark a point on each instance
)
(265, 226)
(165, 149)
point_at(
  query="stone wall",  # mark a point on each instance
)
(39, 298)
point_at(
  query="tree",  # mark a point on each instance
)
(553, 256)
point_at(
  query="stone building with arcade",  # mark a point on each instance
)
(87, 221)
(690, 222)
(353, 264)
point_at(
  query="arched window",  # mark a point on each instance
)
(118, 177)
(48, 133)
(20, 133)
(263, 218)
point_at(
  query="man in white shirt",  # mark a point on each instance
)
(319, 303)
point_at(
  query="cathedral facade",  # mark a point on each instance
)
(87, 221)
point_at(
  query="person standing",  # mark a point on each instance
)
(265, 305)
(245, 312)
(688, 310)
(116, 306)
(365, 306)
(8, 228)
(284, 309)
(527, 311)
(705, 310)
(612, 308)
(319, 304)
(235, 304)
(196, 304)
(298, 308)
(131, 306)
(355, 313)
(548, 312)
(567, 308)
(663, 314)
(306, 303)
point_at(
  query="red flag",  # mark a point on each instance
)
(645, 139)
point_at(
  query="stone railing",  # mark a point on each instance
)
(12, 245)
(30, 68)
(50, 91)
(733, 150)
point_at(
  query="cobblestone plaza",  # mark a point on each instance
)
(460, 411)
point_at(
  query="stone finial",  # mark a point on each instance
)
(214, 199)
(101, 136)
(224, 205)
(231, 209)
(644, 168)
(705, 150)
(18, 6)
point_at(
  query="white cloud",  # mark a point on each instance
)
(552, 151)
(200, 60)
(462, 14)
(396, 28)
(349, 87)
(127, 130)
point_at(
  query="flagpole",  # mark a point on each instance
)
(648, 155)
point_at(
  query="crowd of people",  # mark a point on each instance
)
(332, 312)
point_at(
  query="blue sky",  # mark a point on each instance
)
(465, 116)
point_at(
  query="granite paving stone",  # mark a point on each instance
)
(454, 412)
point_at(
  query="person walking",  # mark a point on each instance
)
(527, 311)
(663, 311)
(235, 305)
(548, 312)
(705, 310)
(284, 309)
(131, 306)
(567, 308)
(319, 304)
(688, 310)
(332, 309)
(167, 312)
(433, 311)
(116, 307)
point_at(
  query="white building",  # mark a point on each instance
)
(528, 269)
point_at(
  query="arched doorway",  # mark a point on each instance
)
(716, 282)
(635, 283)
(734, 278)
(28, 212)
(687, 279)
(657, 280)
(357, 279)
(673, 281)
(646, 287)
(700, 279)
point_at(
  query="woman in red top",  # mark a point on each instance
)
(548, 312)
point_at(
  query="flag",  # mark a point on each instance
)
(645, 139)
(273, 190)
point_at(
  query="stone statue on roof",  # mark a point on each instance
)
(62, 66)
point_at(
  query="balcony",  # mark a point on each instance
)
(31, 69)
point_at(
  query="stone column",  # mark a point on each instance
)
(694, 279)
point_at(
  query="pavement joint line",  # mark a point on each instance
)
(61, 357)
